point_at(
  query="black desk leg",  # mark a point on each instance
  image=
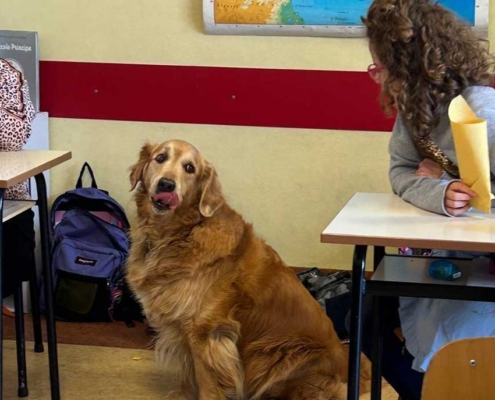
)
(376, 354)
(48, 284)
(20, 342)
(2, 192)
(358, 268)
(34, 292)
(378, 254)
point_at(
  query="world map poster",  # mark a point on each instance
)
(340, 18)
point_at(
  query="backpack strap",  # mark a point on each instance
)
(93, 180)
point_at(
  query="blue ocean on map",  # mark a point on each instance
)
(349, 12)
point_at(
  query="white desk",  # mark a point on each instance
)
(387, 220)
(13, 208)
(16, 167)
(383, 220)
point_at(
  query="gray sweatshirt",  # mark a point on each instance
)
(424, 192)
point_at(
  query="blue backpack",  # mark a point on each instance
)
(90, 248)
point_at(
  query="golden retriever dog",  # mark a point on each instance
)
(221, 301)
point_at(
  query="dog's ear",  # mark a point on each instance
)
(138, 168)
(211, 196)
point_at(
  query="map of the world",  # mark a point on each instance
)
(308, 12)
(263, 14)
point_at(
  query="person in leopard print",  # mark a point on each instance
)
(16, 116)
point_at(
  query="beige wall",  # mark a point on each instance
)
(288, 182)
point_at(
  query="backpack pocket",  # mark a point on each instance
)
(82, 280)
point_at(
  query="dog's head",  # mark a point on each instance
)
(173, 175)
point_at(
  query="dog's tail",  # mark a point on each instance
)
(222, 356)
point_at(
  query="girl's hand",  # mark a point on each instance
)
(430, 169)
(457, 198)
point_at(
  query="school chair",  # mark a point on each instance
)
(462, 370)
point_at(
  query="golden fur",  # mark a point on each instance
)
(220, 299)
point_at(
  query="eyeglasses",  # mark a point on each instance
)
(374, 70)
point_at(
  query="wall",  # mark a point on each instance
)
(288, 182)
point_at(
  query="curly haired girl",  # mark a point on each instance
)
(423, 57)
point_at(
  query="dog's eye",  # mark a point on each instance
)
(161, 158)
(189, 168)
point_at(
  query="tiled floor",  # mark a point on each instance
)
(96, 362)
(98, 373)
(90, 373)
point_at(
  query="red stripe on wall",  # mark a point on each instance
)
(210, 95)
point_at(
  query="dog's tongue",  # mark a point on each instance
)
(170, 199)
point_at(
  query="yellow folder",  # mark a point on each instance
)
(471, 148)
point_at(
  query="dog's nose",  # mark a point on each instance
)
(165, 185)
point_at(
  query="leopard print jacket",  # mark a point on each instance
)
(16, 115)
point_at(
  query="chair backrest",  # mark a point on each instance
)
(462, 370)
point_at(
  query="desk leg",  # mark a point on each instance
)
(376, 351)
(2, 192)
(376, 354)
(358, 268)
(48, 284)
(378, 254)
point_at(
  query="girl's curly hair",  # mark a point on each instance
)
(430, 55)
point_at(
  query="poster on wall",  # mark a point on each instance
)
(331, 18)
(21, 50)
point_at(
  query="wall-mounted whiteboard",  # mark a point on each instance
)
(332, 18)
